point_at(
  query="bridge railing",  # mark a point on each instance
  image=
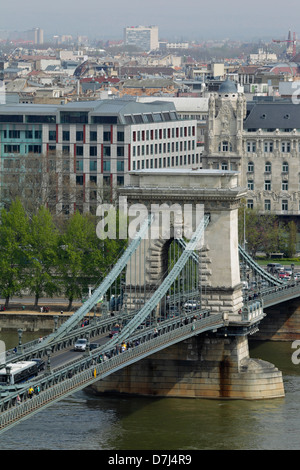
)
(98, 366)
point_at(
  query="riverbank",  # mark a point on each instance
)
(23, 315)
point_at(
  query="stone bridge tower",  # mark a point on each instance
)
(219, 194)
(207, 365)
(224, 135)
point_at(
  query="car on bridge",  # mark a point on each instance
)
(80, 344)
(192, 305)
(115, 331)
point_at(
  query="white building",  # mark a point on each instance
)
(144, 37)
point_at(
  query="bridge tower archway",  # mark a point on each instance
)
(219, 195)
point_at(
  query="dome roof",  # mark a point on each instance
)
(228, 86)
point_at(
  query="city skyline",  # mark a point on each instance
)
(175, 20)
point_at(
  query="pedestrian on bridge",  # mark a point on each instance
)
(30, 392)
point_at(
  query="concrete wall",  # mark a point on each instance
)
(29, 322)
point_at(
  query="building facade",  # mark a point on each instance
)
(144, 37)
(76, 155)
(261, 140)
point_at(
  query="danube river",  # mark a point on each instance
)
(83, 422)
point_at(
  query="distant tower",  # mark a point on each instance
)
(223, 143)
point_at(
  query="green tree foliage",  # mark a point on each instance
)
(263, 232)
(46, 257)
(14, 240)
(43, 244)
(84, 259)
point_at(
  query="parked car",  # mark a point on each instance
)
(80, 344)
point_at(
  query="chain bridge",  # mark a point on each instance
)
(171, 297)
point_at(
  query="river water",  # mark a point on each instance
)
(84, 422)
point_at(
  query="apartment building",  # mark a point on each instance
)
(79, 153)
(261, 140)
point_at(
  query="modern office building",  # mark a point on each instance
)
(77, 154)
(144, 37)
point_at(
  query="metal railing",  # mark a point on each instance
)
(101, 364)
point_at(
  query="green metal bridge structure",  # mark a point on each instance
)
(153, 318)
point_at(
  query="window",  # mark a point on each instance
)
(284, 205)
(268, 167)
(52, 135)
(286, 147)
(225, 146)
(28, 134)
(14, 134)
(79, 150)
(93, 165)
(106, 151)
(250, 167)
(120, 166)
(120, 151)
(79, 136)
(79, 165)
(285, 167)
(224, 166)
(106, 136)
(93, 151)
(66, 136)
(284, 185)
(251, 146)
(106, 165)
(268, 146)
(250, 203)
(120, 136)
(73, 117)
(267, 204)
(45, 119)
(79, 180)
(267, 185)
(12, 148)
(34, 149)
(93, 136)
(250, 185)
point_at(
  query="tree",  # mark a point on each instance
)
(292, 239)
(262, 231)
(77, 256)
(43, 243)
(14, 239)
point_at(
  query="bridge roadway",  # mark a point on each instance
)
(68, 378)
(71, 372)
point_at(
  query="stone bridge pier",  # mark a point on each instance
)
(210, 365)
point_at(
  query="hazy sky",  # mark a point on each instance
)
(176, 19)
